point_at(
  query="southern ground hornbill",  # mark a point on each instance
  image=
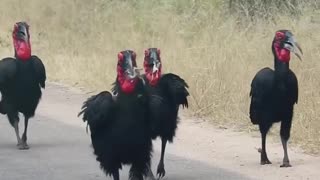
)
(274, 93)
(21, 79)
(167, 93)
(119, 124)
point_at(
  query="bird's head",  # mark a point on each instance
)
(152, 65)
(127, 71)
(21, 41)
(284, 43)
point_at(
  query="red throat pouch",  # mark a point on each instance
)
(127, 86)
(282, 54)
(153, 78)
(23, 50)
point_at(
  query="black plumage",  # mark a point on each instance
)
(119, 124)
(21, 80)
(274, 93)
(167, 93)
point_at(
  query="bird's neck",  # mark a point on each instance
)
(138, 89)
(281, 72)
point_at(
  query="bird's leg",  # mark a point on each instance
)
(14, 121)
(264, 157)
(135, 173)
(161, 172)
(115, 175)
(16, 129)
(285, 135)
(286, 162)
(24, 144)
(149, 173)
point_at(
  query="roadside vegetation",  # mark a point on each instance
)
(216, 45)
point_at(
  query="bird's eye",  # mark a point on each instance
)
(151, 65)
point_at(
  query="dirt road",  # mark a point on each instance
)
(60, 149)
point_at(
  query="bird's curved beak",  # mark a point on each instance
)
(130, 69)
(155, 70)
(22, 33)
(137, 71)
(131, 73)
(292, 45)
(134, 72)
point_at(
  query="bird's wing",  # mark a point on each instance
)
(156, 103)
(8, 69)
(262, 83)
(98, 110)
(176, 88)
(293, 87)
(39, 70)
(261, 93)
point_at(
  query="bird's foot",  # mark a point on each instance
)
(19, 143)
(150, 175)
(23, 146)
(264, 158)
(285, 164)
(161, 172)
(135, 178)
(264, 162)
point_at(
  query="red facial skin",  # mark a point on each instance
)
(22, 47)
(127, 85)
(282, 54)
(153, 78)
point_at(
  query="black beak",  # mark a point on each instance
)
(22, 33)
(130, 70)
(155, 62)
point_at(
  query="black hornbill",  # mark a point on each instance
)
(119, 124)
(274, 93)
(167, 92)
(21, 80)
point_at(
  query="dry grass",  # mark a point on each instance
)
(79, 40)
